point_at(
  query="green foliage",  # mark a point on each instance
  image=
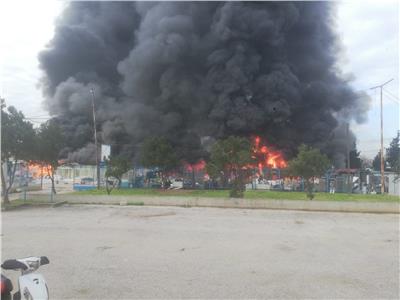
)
(17, 136)
(228, 160)
(308, 163)
(49, 143)
(116, 167)
(376, 163)
(17, 142)
(393, 154)
(158, 153)
(355, 160)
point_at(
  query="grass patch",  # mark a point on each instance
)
(278, 195)
(158, 192)
(253, 194)
(14, 204)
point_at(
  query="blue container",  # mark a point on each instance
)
(83, 187)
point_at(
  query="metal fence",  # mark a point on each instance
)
(69, 179)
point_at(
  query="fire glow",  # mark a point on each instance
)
(196, 167)
(38, 170)
(266, 157)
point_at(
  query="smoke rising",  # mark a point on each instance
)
(198, 71)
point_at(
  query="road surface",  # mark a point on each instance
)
(127, 252)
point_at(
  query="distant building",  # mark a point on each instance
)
(393, 184)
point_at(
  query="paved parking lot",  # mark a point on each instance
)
(113, 252)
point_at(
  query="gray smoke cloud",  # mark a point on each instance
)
(195, 72)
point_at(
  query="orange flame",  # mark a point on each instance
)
(267, 157)
(38, 170)
(196, 167)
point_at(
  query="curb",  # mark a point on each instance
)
(25, 205)
(299, 205)
(57, 204)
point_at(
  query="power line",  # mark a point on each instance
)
(391, 98)
(390, 93)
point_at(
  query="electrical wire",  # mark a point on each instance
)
(390, 93)
(392, 98)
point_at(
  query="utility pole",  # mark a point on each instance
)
(347, 146)
(382, 161)
(95, 140)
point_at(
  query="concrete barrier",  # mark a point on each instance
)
(306, 205)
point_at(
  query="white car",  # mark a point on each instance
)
(176, 183)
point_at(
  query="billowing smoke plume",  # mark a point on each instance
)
(194, 72)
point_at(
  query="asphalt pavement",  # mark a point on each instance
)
(130, 252)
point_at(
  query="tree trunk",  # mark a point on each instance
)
(108, 189)
(41, 176)
(309, 189)
(237, 190)
(53, 187)
(50, 172)
(163, 181)
(193, 179)
(10, 182)
(4, 193)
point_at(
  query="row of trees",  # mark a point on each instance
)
(230, 158)
(20, 141)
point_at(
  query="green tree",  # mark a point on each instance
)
(355, 160)
(229, 159)
(17, 141)
(393, 154)
(157, 152)
(116, 167)
(376, 163)
(50, 141)
(308, 163)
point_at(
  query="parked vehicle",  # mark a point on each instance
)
(87, 180)
(31, 285)
(176, 183)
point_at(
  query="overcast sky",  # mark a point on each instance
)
(369, 31)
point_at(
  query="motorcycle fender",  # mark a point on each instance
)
(35, 285)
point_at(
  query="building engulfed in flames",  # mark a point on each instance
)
(38, 170)
(268, 160)
(268, 163)
(266, 157)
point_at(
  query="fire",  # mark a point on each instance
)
(267, 158)
(196, 167)
(38, 170)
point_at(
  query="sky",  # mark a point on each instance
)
(369, 31)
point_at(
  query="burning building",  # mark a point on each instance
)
(195, 72)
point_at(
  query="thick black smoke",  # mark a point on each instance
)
(194, 72)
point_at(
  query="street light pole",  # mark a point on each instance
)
(95, 140)
(382, 161)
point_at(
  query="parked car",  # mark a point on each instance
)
(87, 180)
(176, 183)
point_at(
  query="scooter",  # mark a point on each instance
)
(32, 286)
